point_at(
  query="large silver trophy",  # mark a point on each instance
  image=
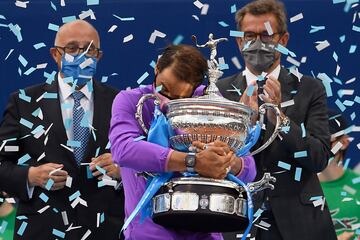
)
(202, 204)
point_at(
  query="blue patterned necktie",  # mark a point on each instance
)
(81, 133)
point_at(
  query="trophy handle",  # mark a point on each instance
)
(139, 109)
(262, 110)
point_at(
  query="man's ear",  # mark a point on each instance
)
(239, 42)
(54, 54)
(284, 39)
(101, 53)
(156, 70)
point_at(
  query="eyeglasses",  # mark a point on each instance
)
(74, 50)
(264, 36)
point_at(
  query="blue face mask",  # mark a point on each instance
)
(73, 69)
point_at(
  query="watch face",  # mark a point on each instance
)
(190, 160)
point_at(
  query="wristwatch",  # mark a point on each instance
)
(190, 161)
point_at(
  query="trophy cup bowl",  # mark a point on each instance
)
(208, 118)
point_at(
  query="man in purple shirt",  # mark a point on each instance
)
(179, 72)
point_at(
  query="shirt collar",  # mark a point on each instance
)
(66, 90)
(252, 77)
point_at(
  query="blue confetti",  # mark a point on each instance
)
(346, 164)
(26, 123)
(100, 169)
(315, 198)
(284, 165)
(74, 196)
(352, 49)
(236, 33)
(223, 66)
(48, 95)
(343, 194)
(223, 24)
(92, 2)
(16, 30)
(142, 78)
(102, 217)
(24, 97)
(104, 79)
(179, 38)
(340, 105)
(22, 217)
(335, 56)
(73, 143)
(22, 228)
(338, 1)
(152, 64)
(357, 99)
(49, 184)
(342, 38)
(298, 174)
(29, 71)
(23, 61)
(39, 45)
(326, 80)
(24, 159)
(353, 115)
(97, 152)
(2, 17)
(44, 197)
(68, 19)
(250, 90)
(37, 129)
(108, 145)
(53, 27)
(356, 180)
(303, 130)
(233, 8)
(356, 28)
(36, 112)
(316, 28)
(58, 233)
(53, 6)
(300, 154)
(3, 226)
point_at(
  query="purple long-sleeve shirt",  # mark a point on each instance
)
(138, 156)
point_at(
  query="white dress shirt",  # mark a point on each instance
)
(67, 103)
(250, 77)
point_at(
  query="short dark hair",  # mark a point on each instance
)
(260, 7)
(188, 63)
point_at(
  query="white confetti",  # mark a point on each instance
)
(128, 38)
(204, 9)
(112, 29)
(336, 148)
(156, 34)
(268, 28)
(322, 45)
(296, 17)
(198, 4)
(21, 4)
(236, 62)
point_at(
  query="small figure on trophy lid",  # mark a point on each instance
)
(212, 44)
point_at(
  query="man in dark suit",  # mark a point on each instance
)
(295, 209)
(54, 151)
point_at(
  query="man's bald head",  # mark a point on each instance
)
(76, 34)
(78, 31)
